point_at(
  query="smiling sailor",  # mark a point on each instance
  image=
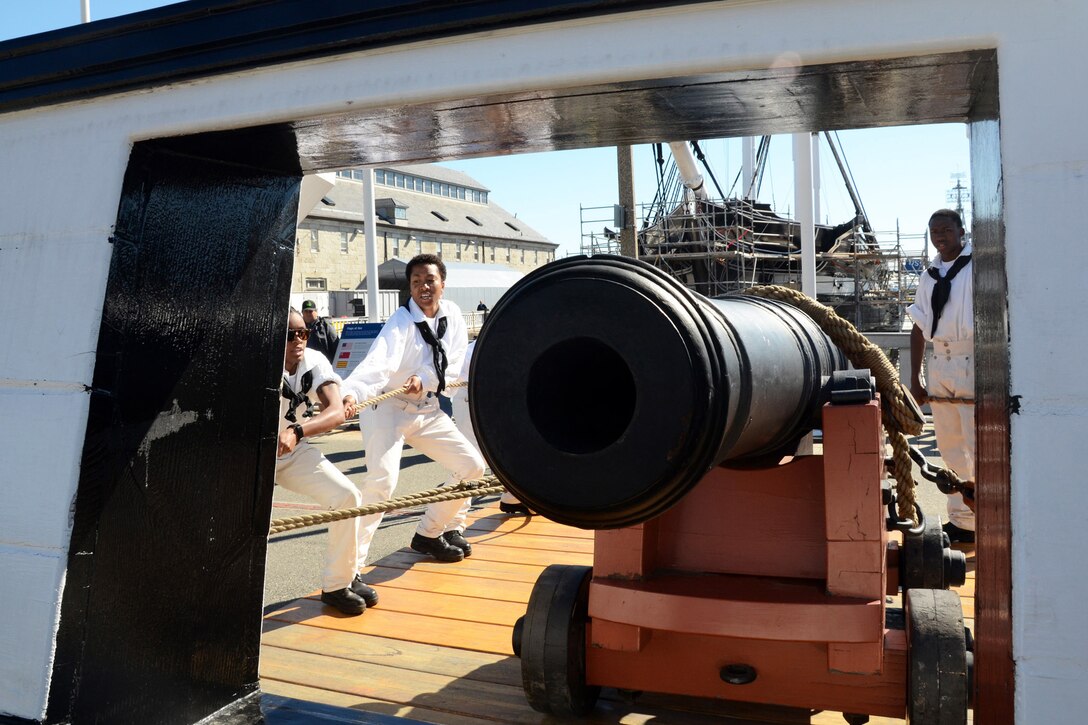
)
(421, 346)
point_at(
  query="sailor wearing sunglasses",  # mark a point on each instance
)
(300, 467)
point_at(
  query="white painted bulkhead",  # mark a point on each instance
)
(56, 257)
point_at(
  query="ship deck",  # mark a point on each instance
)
(438, 647)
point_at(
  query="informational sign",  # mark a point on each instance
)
(355, 342)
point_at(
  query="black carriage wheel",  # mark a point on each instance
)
(553, 643)
(937, 678)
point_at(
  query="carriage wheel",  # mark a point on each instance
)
(553, 643)
(937, 671)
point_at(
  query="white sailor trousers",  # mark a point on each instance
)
(386, 428)
(950, 373)
(308, 472)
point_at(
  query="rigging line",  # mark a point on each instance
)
(761, 165)
(850, 173)
(702, 159)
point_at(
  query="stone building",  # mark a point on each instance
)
(421, 208)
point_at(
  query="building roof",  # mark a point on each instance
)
(430, 213)
(458, 275)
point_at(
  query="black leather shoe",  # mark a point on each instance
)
(515, 508)
(956, 535)
(456, 539)
(438, 547)
(345, 600)
(365, 591)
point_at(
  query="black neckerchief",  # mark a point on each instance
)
(943, 288)
(438, 354)
(296, 399)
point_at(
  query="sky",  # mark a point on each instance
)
(902, 174)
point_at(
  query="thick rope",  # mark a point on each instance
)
(899, 416)
(465, 489)
(394, 393)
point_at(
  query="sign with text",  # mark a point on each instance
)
(355, 342)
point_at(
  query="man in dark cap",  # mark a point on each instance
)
(323, 337)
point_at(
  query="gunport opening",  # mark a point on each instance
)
(581, 395)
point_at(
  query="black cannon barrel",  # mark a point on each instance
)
(602, 390)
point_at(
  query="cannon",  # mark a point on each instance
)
(730, 560)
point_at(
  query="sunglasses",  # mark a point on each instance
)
(293, 335)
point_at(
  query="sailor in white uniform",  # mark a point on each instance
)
(308, 378)
(422, 345)
(943, 314)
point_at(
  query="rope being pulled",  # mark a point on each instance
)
(900, 416)
(465, 489)
(394, 393)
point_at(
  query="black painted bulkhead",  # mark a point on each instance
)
(161, 614)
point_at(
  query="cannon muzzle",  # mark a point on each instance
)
(603, 390)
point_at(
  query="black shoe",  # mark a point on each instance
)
(456, 539)
(956, 535)
(345, 600)
(365, 591)
(515, 508)
(438, 547)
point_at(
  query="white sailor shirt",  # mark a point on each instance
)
(958, 316)
(400, 352)
(312, 360)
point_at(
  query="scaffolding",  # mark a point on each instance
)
(715, 247)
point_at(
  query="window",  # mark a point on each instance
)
(512, 226)
(379, 176)
(400, 212)
(358, 175)
(474, 220)
(441, 216)
(492, 255)
(315, 284)
(458, 252)
(508, 253)
(523, 255)
(476, 252)
(344, 242)
(536, 256)
(314, 246)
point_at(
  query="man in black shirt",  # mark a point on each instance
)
(323, 337)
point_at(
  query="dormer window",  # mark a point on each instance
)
(512, 226)
(474, 220)
(441, 216)
(389, 210)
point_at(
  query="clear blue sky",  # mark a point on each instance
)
(902, 174)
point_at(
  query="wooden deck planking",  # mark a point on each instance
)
(437, 648)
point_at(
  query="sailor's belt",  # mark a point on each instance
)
(953, 347)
